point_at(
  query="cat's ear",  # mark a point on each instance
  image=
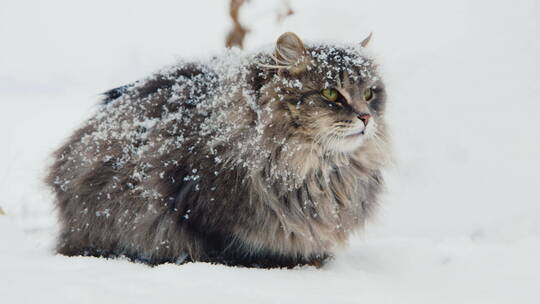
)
(366, 40)
(290, 52)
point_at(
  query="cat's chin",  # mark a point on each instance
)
(350, 143)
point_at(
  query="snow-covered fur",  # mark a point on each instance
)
(239, 160)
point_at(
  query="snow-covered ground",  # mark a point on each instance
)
(460, 223)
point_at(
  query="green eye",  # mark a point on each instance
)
(330, 94)
(368, 94)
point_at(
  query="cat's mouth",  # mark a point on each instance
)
(348, 139)
(355, 133)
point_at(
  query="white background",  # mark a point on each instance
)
(460, 222)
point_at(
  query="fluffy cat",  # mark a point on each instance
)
(269, 159)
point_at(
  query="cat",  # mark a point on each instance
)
(264, 159)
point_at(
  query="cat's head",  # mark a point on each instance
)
(332, 95)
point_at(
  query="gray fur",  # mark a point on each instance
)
(238, 160)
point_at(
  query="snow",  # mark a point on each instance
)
(460, 223)
(390, 270)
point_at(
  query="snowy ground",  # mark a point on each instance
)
(460, 223)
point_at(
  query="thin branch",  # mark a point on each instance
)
(238, 33)
(286, 12)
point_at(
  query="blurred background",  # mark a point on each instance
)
(463, 79)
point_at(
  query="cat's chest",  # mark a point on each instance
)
(328, 192)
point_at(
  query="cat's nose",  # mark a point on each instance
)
(364, 117)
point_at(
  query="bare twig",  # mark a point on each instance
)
(237, 34)
(286, 12)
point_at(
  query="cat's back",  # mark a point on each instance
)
(109, 145)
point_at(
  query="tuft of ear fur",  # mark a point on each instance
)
(366, 40)
(290, 53)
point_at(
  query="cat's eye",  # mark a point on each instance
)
(368, 94)
(330, 94)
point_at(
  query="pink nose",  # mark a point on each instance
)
(364, 117)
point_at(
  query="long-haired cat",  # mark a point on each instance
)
(269, 159)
